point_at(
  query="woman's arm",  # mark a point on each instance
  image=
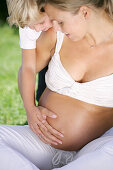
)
(27, 78)
(45, 48)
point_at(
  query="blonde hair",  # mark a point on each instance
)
(22, 12)
(74, 5)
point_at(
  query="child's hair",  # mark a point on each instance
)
(74, 5)
(22, 12)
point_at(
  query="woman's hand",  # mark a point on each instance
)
(37, 122)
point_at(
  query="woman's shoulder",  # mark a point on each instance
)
(47, 39)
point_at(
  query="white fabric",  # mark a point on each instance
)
(96, 155)
(10, 159)
(101, 159)
(28, 38)
(98, 92)
(20, 142)
(21, 149)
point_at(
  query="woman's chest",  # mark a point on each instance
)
(84, 64)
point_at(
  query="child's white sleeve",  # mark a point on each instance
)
(28, 38)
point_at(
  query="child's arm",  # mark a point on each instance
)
(31, 65)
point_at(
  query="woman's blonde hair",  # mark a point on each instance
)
(74, 5)
(22, 12)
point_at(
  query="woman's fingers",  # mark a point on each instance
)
(47, 138)
(41, 134)
(42, 125)
(43, 140)
(45, 112)
(35, 123)
(35, 128)
(43, 129)
(51, 137)
(47, 130)
(46, 133)
(39, 114)
(52, 130)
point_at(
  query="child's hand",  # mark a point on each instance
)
(39, 125)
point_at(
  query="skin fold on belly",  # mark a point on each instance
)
(79, 121)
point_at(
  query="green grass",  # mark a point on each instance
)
(11, 106)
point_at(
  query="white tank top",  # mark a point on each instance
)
(98, 91)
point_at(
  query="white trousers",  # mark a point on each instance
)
(21, 149)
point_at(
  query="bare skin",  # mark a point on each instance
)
(79, 121)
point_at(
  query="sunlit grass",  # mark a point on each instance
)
(11, 106)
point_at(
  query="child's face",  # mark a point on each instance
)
(43, 24)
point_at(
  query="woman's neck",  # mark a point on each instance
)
(100, 31)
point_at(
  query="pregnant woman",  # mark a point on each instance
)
(79, 88)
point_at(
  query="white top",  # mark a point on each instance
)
(98, 92)
(28, 38)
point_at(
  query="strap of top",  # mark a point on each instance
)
(60, 37)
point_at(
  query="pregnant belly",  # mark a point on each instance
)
(79, 121)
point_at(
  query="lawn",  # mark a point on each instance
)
(11, 106)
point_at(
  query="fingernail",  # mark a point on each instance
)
(43, 121)
(60, 142)
(55, 143)
(54, 116)
(44, 116)
(61, 135)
